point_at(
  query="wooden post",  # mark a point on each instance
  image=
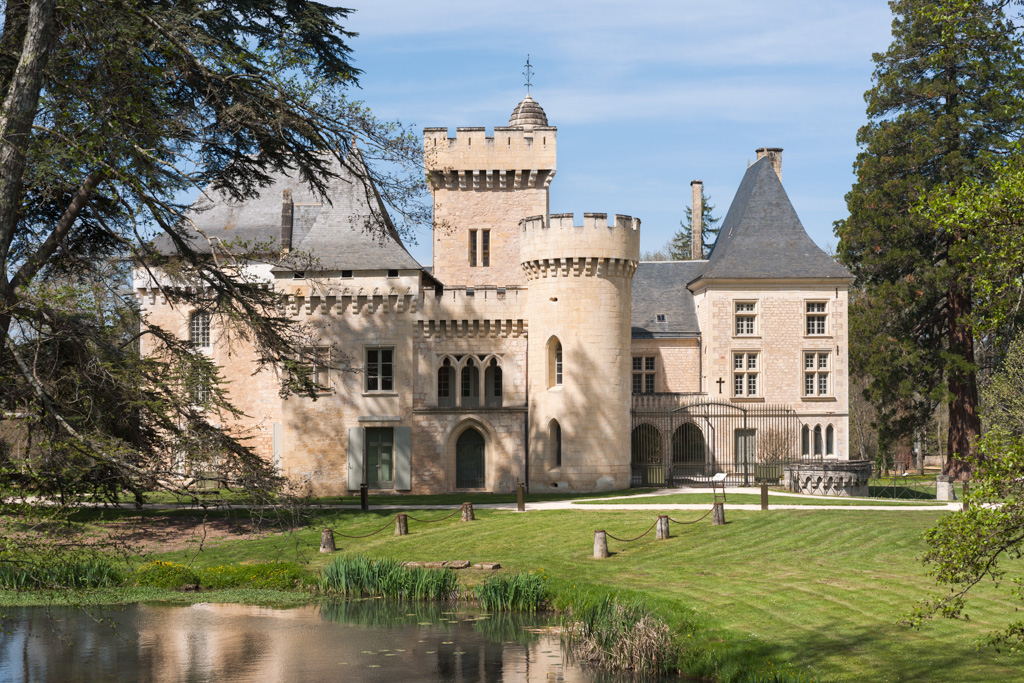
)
(521, 497)
(364, 501)
(600, 544)
(467, 512)
(764, 495)
(327, 541)
(718, 514)
(661, 532)
(402, 524)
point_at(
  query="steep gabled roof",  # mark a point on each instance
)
(762, 237)
(342, 233)
(659, 288)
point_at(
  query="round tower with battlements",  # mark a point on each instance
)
(580, 284)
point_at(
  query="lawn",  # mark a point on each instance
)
(818, 590)
(750, 499)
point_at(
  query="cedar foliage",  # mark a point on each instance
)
(678, 247)
(946, 100)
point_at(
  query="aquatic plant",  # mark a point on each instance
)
(360, 575)
(617, 635)
(75, 574)
(522, 592)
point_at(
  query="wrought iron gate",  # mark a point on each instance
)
(685, 439)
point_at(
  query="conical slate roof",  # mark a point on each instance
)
(527, 113)
(762, 237)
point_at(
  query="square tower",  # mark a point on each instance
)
(482, 186)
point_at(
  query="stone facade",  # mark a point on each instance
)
(515, 357)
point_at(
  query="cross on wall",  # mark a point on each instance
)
(720, 383)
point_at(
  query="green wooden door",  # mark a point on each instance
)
(380, 457)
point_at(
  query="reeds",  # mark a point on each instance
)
(523, 592)
(616, 635)
(361, 576)
(73, 574)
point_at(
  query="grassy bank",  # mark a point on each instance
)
(814, 590)
(752, 499)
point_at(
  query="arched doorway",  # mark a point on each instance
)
(646, 456)
(469, 460)
(688, 451)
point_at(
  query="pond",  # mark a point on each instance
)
(365, 640)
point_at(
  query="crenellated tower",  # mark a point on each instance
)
(481, 186)
(580, 284)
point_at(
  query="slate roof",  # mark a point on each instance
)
(659, 287)
(341, 234)
(762, 237)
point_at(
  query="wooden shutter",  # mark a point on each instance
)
(355, 457)
(403, 458)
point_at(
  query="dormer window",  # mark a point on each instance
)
(392, 273)
(661, 317)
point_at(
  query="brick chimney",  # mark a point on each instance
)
(697, 220)
(775, 154)
(287, 213)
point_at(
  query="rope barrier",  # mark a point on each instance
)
(630, 540)
(372, 533)
(675, 521)
(431, 521)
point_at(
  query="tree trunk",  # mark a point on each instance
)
(964, 425)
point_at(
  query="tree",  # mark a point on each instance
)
(986, 541)
(946, 99)
(111, 110)
(679, 246)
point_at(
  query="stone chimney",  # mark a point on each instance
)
(697, 220)
(775, 154)
(287, 213)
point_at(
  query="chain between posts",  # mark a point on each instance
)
(675, 521)
(629, 540)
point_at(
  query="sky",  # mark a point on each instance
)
(646, 96)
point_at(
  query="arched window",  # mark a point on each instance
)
(470, 384)
(555, 436)
(469, 460)
(554, 362)
(199, 329)
(492, 384)
(558, 363)
(817, 440)
(830, 440)
(806, 439)
(445, 380)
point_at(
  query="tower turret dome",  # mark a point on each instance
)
(528, 113)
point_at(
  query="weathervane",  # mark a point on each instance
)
(528, 73)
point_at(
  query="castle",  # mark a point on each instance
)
(537, 348)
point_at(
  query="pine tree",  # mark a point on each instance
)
(947, 97)
(679, 246)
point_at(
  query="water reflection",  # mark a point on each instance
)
(351, 641)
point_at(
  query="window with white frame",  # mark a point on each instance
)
(199, 329)
(816, 319)
(380, 369)
(816, 373)
(744, 373)
(643, 374)
(317, 360)
(746, 318)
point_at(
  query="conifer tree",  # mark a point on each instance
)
(679, 246)
(947, 97)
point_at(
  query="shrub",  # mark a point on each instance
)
(165, 575)
(271, 575)
(524, 592)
